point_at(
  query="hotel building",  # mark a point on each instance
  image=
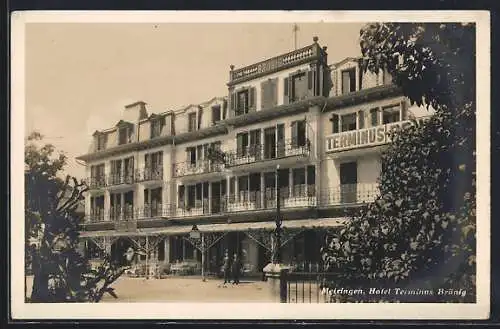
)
(293, 122)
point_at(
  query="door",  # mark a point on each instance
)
(348, 182)
(216, 193)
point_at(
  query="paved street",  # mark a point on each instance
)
(184, 289)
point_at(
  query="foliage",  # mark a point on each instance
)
(420, 232)
(61, 273)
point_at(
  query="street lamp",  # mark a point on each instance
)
(278, 220)
(196, 235)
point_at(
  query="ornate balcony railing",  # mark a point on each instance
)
(121, 178)
(96, 216)
(349, 194)
(96, 182)
(200, 167)
(262, 152)
(149, 174)
(153, 210)
(297, 196)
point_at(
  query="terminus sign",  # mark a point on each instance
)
(363, 137)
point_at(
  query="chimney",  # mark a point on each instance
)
(135, 112)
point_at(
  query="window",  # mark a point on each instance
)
(124, 135)
(298, 133)
(242, 102)
(242, 144)
(157, 126)
(216, 114)
(191, 122)
(348, 81)
(311, 180)
(299, 181)
(299, 87)
(101, 141)
(128, 166)
(191, 155)
(191, 196)
(349, 122)
(374, 117)
(269, 96)
(180, 196)
(97, 173)
(390, 114)
(243, 188)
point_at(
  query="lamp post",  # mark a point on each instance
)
(196, 235)
(278, 220)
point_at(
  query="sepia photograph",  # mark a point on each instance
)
(266, 165)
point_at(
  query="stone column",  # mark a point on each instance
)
(290, 182)
(236, 189)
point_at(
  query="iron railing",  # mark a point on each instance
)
(349, 194)
(200, 167)
(96, 182)
(298, 196)
(266, 152)
(304, 287)
(121, 178)
(149, 174)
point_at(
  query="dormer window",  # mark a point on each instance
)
(348, 81)
(216, 114)
(192, 122)
(101, 140)
(123, 135)
(157, 125)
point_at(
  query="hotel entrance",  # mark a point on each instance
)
(348, 182)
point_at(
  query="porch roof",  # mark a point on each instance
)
(232, 227)
(270, 225)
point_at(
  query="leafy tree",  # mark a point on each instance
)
(61, 273)
(420, 232)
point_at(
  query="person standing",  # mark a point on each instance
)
(226, 267)
(236, 268)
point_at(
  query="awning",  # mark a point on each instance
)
(233, 227)
(170, 230)
(270, 225)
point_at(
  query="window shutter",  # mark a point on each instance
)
(264, 95)
(239, 144)
(172, 124)
(224, 109)
(251, 99)
(310, 81)
(295, 134)
(274, 92)
(361, 119)
(286, 98)
(335, 123)
(232, 104)
(200, 115)
(404, 110)
(180, 196)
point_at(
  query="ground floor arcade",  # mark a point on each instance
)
(175, 251)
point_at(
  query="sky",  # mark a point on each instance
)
(79, 76)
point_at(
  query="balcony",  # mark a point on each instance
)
(361, 138)
(152, 211)
(121, 179)
(96, 183)
(349, 194)
(96, 216)
(263, 154)
(203, 167)
(149, 174)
